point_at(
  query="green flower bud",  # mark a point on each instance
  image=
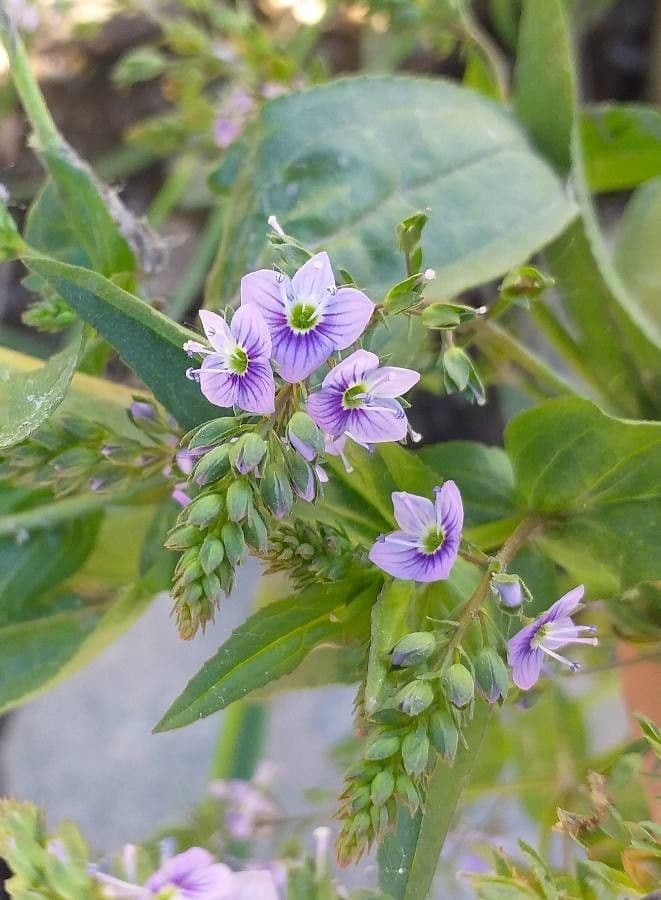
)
(211, 554)
(404, 295)
(413, 648)
(444, 735)
(190, 574)
(491, 675)
(214, 432)
(234, 542)
(75, 461)
(459, 686)
(382, 787)
(524, 284)
(361, 823)
(11, 243)
(408, 792)
(382, 747)
(448, 315)
(140, 64)
(212, 589)
(212, 466)
(189, 556)
(409, 231)
(276, 491)
(239, 500)
(461, 375)
(183, 537)
(192, 594)
(247, 452)
(360, 799)
(255, 533)
(204, 510)
(302, 478)
(415, 751)
(304, 436)
(415, 697)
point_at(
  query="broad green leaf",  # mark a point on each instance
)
(342, 164)
(324, 666)
(483, 475)
(48, 230)
(409, 856)
(619, 342)
(269, 644)
(637, 255)
(596, 481)
(28, 398)
(148, 342)
(621, 145)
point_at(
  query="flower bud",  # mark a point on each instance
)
(510, 591)
(239, 500)
(247, 452)
(444, 735)
(204, 510)
(413, 648)
(214, 432)
(382, 747)
(415, 751)
(408, 792)
(302, 477)
(276, 491)
(304, 436)
(255, 533)
(524, 284)
(382, 787)
(461, 375)
(212, 589)
(212, 466)
(142, 411)
(183, 537)
(211, 554)
(491, 675)
(415, 697)
(447, 315)
(459, 686)
(360, 799)
(234, 542)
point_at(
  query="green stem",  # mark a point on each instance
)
(192, 282)
(26, 86)
(172, 190)
(240, 741)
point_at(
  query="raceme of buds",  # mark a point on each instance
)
(309, 553)
(491, 676)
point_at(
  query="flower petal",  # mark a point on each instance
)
(251, 885)
(397, 555)
(566, 605)
(377, 424)
(250, 331)
(345, 316)
(526, 663)
(413, 514)
(315, 279)
(326, 411)
(256, 389)
(355, 368)
(299, 355)
(450, 511)
(265, 290)
(217, 384)
(392, 381)
(216, 329)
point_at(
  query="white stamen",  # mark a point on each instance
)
(429, 275)
(273, 223)
(574, 666)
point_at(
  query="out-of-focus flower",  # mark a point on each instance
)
(357, 398)
(236, 372)
(233, 115)
(426, 547)
(545, 636)
(23, 14)
(248, 808)
(307, 316)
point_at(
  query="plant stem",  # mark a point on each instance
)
(172, 190)
(239, 741)
(193, 280)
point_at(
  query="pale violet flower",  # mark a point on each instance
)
(426, 547)
(549, 632)
(357, 399)
(247, 807)
(307, 316)
(236, 371)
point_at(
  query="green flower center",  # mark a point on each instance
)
(432, 540)
(237, 361)
(303, 316)
(353, 396)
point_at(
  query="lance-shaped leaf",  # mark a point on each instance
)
(269, 644)
(148, 342)
(342, 164)
(621, 145)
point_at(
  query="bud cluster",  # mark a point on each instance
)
(242, 477)
(431, 700)
(70, 453)
(309, 553)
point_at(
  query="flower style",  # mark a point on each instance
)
(194, 875)
(357, 398)
(546, 635)
(307, 316)
(426, 547)
(236, 372)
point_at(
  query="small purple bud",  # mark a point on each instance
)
(510, 591)
(180, 496)
(142, 411)
(413, 648)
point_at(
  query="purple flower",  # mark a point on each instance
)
(546, 635)
(248, 810)
(308, 317)
(426, 547)
(236, 372)
(357, 398)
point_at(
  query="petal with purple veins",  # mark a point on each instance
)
(345, 316)
(566, 605)
(216, 329)
(397, 555)
(299, 355)
(250, 332)
(413, 514)
(315, 279)
(256, 389)
(326, 411)
(265, 290)
(355, 369)
(378, 423)
(217, 384)
(449, 511)
(392, 381)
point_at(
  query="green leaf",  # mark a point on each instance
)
(408, 858)
(636, 255)
(596, 480)
(269, 644)
(324, 666)
(27, 399)
(148, 342)
(342, 164)
(621, 145)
